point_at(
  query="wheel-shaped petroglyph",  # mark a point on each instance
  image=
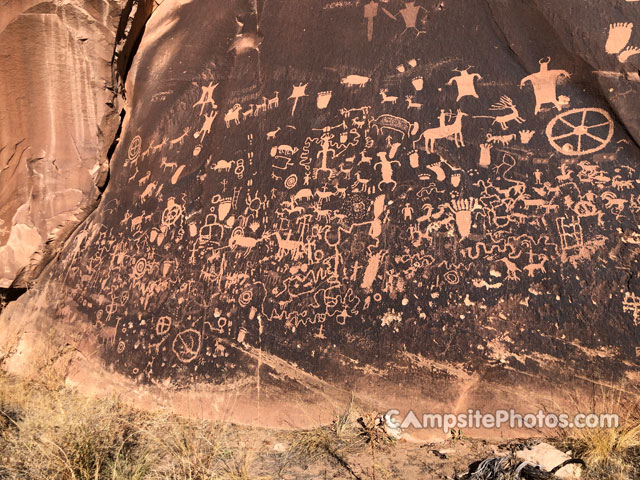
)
(134, 148)
(581, 131)
(163, 325)
(186, 345)
(172, 213)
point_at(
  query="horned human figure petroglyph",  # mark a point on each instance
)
(465, 83)
(409, 14)
(545, 84)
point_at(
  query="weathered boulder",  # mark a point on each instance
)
(430, 204)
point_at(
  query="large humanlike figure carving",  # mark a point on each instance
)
(544, 85)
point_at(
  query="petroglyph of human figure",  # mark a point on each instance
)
(409, 14)
(538, 176)
(325, 153)
(207, 97)
(206, 127)
(544, 85)
(370, 12)
(443, 117)
(465, 83)
(407, 211)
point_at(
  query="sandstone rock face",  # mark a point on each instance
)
(420, 202)
(55, 108)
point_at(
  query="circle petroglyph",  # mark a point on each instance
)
(245, 298)
(163, 325)
(134, 148)
(171, 214)
(580, 131)
(291, 181)
(140, 268)
(187, 345)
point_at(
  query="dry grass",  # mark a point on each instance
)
(49, 432)
(610, 453)
(353, 432)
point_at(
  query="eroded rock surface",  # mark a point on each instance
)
(55, 108)
(422, 202)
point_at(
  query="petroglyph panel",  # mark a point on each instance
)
(371, 177)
